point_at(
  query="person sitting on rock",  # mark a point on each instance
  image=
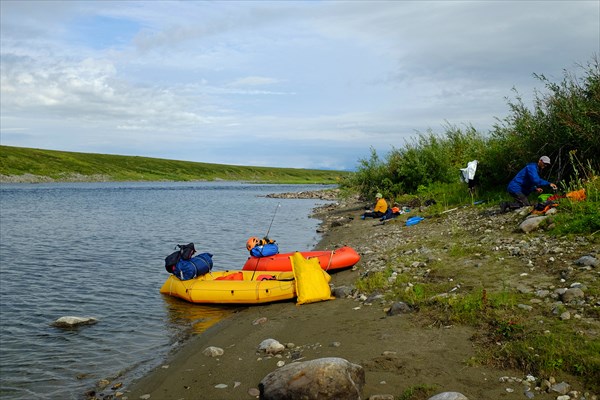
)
(526, 181)
(380, 209)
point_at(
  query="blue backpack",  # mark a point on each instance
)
(194, 267)
(265, 250)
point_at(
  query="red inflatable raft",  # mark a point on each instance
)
(330, 260)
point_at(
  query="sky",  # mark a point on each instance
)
(294, 84)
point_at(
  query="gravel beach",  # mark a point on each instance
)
(399, 352)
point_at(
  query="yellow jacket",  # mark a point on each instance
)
(381, 206)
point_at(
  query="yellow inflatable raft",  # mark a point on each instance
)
(233, 287)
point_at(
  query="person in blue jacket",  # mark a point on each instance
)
(525, 182)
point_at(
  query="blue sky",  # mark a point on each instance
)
(302, 84)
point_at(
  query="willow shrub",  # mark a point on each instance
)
(564, 121)
(426, 160)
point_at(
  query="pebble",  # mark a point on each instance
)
(271, 346)
(561, 388)
(212, 351)
(525, 307)
(259, 321)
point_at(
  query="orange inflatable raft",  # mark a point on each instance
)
(330, 260)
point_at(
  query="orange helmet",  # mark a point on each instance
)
(252, 243)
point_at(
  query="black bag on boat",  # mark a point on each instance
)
(171, 260)
(185, 252)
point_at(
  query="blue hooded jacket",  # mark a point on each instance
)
(526, 180)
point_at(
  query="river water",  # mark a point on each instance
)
(97, 250)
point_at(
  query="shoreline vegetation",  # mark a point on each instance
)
(26, 165)
(461, 302)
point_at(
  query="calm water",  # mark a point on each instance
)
(98, 249)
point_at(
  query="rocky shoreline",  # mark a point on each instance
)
(398, 349)
(66, 177)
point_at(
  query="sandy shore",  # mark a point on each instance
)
(397, 352)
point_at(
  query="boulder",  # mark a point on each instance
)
(531, 224)
(320, 379)
(449, 396)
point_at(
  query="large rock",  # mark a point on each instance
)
(321, 379)
(531, 224)
(449, 396)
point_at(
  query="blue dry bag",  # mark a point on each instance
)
(413, 221)
(195, 266)
(265, 250)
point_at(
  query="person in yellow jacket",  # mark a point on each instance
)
(380, 209)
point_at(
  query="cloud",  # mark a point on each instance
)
(253, 81)
(290, 84)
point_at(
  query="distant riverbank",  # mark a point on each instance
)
(25, 165)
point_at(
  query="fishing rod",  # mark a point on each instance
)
(266, 236)
(272, 219)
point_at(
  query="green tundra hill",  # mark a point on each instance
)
(19, 164)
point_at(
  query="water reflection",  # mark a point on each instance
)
(197, 318)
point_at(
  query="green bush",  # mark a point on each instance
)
(563, 124)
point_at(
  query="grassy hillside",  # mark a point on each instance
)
(18, 164)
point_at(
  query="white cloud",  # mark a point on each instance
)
(259, 82)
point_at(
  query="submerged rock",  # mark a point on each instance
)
(71, 322)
